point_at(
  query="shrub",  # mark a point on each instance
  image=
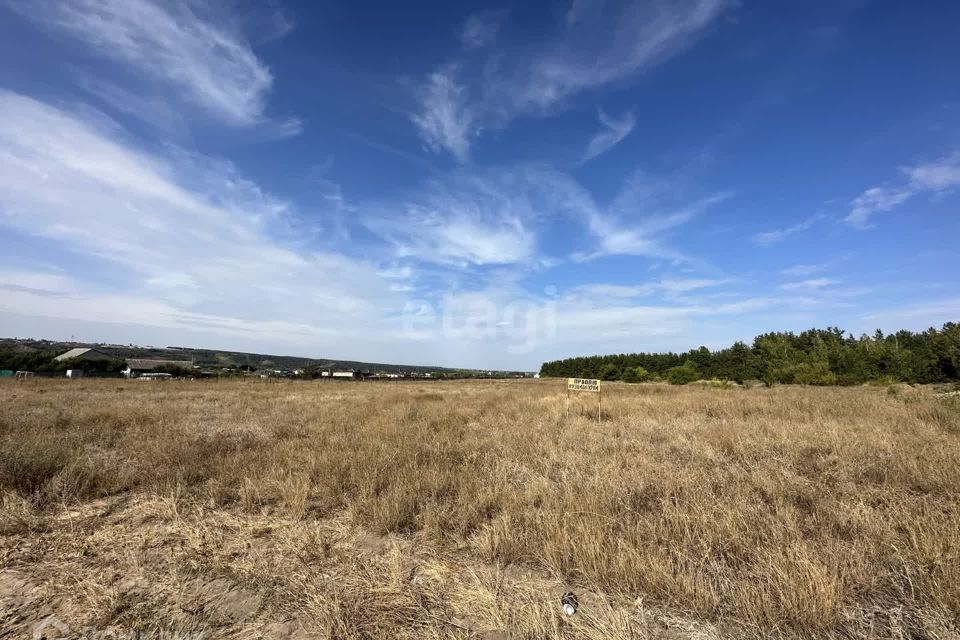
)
(635, 374)
(609, 372)
(815, 373)
(684, 374)
(720, 384)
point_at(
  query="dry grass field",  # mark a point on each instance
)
(464, 509)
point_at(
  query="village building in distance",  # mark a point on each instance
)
(51, 358)
(143, 367)
(84, 355)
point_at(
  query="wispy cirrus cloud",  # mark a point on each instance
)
(446, 118)
(613, 132)
(188, 46)
(667, 286)
(598, 44)
(874, 200)
(608, 42)
(454, 236)
(497, 216)
(483, 218)
(800, 270)
(810, 268)
(480, 28)
(154, 110)
(813, 284)
(640, 217)
(928, 177)
(773, 236)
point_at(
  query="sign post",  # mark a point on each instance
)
(584, 384)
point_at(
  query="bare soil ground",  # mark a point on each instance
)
(464, 510)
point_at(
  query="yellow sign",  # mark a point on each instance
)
(583, 384)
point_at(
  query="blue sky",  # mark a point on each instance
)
(475, 184)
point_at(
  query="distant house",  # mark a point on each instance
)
(137, 367)
(345, 374)
(85, 355)
(154, 376)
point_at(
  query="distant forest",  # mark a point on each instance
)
(817, 357)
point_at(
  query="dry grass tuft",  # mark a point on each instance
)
(465, 509)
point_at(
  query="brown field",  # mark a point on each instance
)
(464, 510)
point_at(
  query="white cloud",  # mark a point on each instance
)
(618, 41)
(609, 321)
(599, 44)
(282, 129)
(930, 177)
(453, 236)
(187, 45)
(446, 120)
(187, 240)
(667, 286)
(467, 219)
(615, 130)
(615, 323)
(809, 269)
(493, 216)
(154, 110)
(935, 176)
(813, 284)
(615, 291)
(774, 236)
(644, 211)
(530, 327)
(481, 28)
(34, 281)
(800, 270)
(873, 200)
(919, 316)
(396, 272)
(683, 285)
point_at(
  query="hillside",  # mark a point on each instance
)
(222, 359)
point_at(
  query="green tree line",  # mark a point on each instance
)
(828, 356)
